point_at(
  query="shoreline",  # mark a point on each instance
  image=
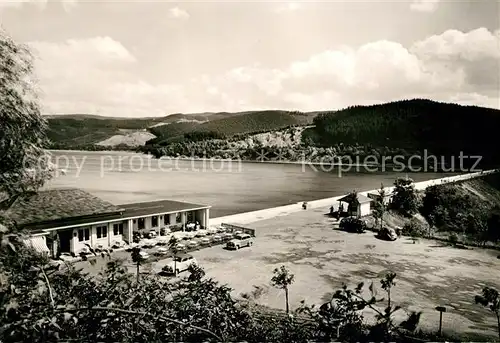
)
(279, 162)
(273, 212)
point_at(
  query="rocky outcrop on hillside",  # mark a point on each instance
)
(132, 139)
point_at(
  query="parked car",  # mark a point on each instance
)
(147, 243)
(216, 238)
(352, 224)
(180, 262)
(192, 244)
(179, 235)
(189, 235)
(165, 231)
(221, 229)
(212, 231)
(388, 234)
(180, 247)
(241, 240)
(205, 241)
(201, 233)
(118, 244)
(152, 234)
(144, 255)
(132, 246)
(227, 235)
(162, 240)
(161, 251)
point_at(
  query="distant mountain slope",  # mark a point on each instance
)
(168, 132)
(77, 130)
(74, 130)
(81, 130)
(255, 122)
(441, 128)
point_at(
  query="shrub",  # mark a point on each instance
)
(405, 200)
(415, 228)
(351, 224)
(449, 208)
(453, 238)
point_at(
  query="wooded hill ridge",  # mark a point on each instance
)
(405, 126)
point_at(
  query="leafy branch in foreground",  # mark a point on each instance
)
(341, 317)
(490, 298)
(38, 305)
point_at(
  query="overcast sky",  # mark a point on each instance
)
(140, 58)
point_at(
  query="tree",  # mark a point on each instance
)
(405, 198)
(379, 206)
(490, 298)
(137, 259)
(174, 248)
(25, 165)
(353, 203)
(282, 279)
(493, 226)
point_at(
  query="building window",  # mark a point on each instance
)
(178, 217)
(118, 229)
(83, 235)
(141, 223)
(154, 221)
(166, 219)
(102, 231)
(190, 217)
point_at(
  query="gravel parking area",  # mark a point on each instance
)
(322, 259)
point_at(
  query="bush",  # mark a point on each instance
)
(351, 224)
(415, 228)
(405, 200)
(453, 238)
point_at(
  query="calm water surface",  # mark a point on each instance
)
(230, 187)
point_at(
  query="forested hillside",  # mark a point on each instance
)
(413, 125)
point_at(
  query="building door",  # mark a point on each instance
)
(65, 240)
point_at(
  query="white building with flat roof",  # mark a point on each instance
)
(67, 220)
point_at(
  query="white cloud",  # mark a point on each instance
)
(89, 51)
(444, 67)
(74, 75)
(178, 13)
(424, 5)
(97, 76)
(471, 46)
